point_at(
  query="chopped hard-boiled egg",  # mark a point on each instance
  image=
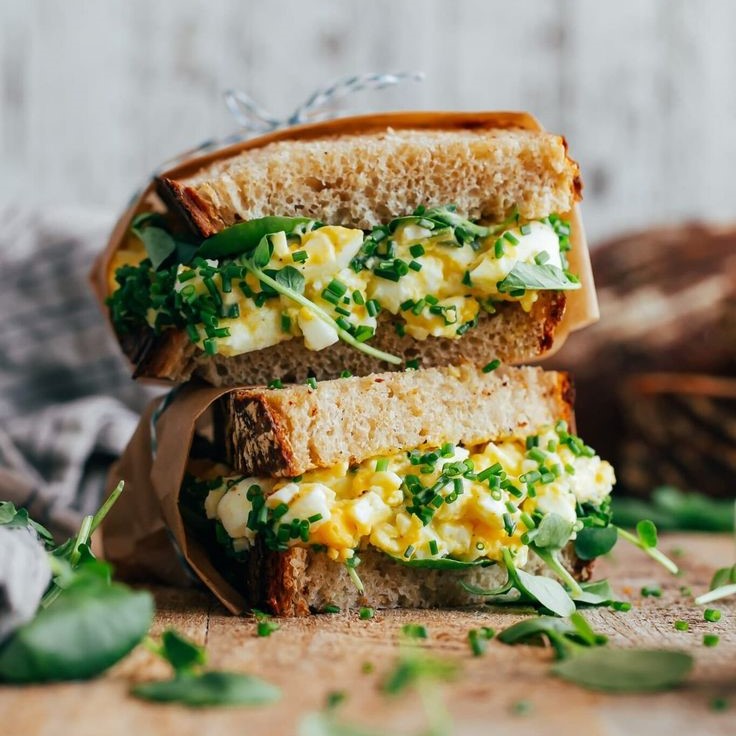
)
(437, 282)
(467, 504)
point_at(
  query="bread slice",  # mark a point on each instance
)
(362, 180)
(511, 335)
(286, 432)
(300, 581)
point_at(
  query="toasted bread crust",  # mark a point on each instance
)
(360, 177)
(300, 581)
(287, 432)
(511, 335)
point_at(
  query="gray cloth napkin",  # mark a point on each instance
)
(67, 403)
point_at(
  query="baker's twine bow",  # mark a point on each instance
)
(320, 105)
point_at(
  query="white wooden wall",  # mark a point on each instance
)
(94, 93)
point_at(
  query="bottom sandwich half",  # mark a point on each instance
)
(418, 489)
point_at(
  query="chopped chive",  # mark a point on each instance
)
(651, 591)
(366, 612)
(712, 615)
(409, 551)
(311, 382)
(330, 297)
(622, 606)
(372, 307)
(682, 625)
(299, 256)
(415, 265)
(330, 608)
(276, 383)
(280, 510)
(400, 329)
(466, 279)
(541, 258)
(489, 367)
(413, 364)
(525, 229)
(381, 465)
(416, 250)
(498, 248)
(358, 298)
(509, 237)
(210, 346)
(405, 306)
(509, 524)
(433, 549)
(343, 311)
(345, 374)
(314, 518)
(285, 323)
(337, 287)
(447, 450)
(363, 333)
(711, 640)
(266, 627)
(414, 631)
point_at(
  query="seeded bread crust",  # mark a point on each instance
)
(286, 432)
(511, 335)
(300, 582)
(361, 180)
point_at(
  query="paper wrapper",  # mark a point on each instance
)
(144, 534)
(582, 305)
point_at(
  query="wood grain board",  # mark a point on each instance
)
(308, 658)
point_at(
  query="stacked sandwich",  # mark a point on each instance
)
(361, 291)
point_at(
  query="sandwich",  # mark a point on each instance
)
(421, 488)
(358, 245)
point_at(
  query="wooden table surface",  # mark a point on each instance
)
(309, 658)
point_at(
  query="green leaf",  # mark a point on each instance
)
(181, 653)
(531, 629)
(535, 277)
(547, 592)
(552, 532)
(210, 689)
(445, 563)
(626, 670)
(290, 278)
(12, 517)
(414, 667)
(243, 238)
(596, 593)
(87, 629)
(723, 576)
(262, 253)
(594, 541)
(159, 244)
(647, 533)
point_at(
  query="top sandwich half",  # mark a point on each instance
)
(354, 246)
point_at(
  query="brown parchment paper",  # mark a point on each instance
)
(144, 534)
(582, 305)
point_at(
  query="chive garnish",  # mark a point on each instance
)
(490, 367)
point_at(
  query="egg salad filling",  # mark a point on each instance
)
(262, 282)
(446, 503)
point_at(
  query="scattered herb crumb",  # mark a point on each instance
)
(711, 640)
(335, 697)
(266, 628)
(682, 625)
(719, 704)
(366, 612)
(623, 606)
(414, 631)
(522, 707)
(478, 640)
(331, 609)
(685, 590)
(367, 668)
(651, 591)
(712, 615)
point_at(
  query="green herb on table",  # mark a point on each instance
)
(196, 687)
(584, 659)
(478, 640)
(646, 540)
(722, 585)
(711, 640)
(651, 591)
(682, 626)
(85, 622)
(265, 626)
(711, 615)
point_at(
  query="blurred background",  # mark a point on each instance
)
(94, 95)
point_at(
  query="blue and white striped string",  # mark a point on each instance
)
(254, 120)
